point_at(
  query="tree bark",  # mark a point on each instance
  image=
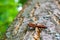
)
(40, 12)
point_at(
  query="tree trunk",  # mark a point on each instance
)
(44, 12)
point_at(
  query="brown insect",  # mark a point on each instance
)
(37, 26)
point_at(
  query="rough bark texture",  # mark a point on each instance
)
(44, 12)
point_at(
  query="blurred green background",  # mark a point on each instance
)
(8, 11)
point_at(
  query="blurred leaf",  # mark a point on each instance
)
(8, 11)
(23, 1)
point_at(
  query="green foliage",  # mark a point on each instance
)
(23, 1)
(8, 11)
